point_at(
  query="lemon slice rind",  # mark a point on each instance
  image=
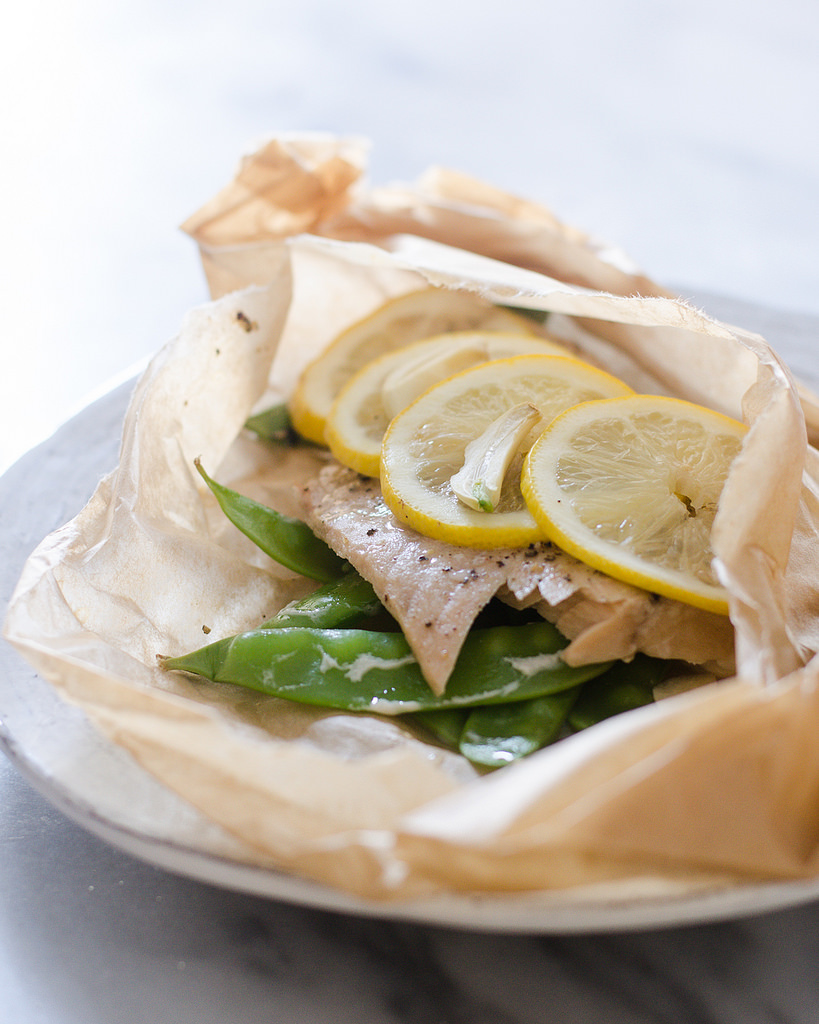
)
(358, 419)
(424, 445)
(399, 321)
(666, 552)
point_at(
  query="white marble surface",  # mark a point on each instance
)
(687, 134)
(113, 940)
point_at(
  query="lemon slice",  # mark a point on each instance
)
(385, 386)
(398, 322)
(425, 445)
(631, 487)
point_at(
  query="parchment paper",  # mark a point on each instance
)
(721, 782)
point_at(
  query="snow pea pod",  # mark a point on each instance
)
(495, 735)
(287, 540)
(272, 424)
(625, 686)
(346, 601)
(540, 316)
(446, 724)
(365, 670)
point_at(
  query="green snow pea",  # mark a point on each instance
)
(365, 670)
(272, 424)
(495, 735)
(625, 686)
(346, 601)
(540, 316)
(446, 724)
(285, 539)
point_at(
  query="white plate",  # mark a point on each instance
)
(98, 785)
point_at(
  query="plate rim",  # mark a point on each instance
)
(477, 912)
(474, 912)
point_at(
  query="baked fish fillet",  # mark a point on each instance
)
(435, 590)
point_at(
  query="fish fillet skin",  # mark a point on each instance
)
(435, 590)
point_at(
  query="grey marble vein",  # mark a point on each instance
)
(92, 935)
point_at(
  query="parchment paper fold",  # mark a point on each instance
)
(721, 782)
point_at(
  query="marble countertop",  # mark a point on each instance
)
(92, 936)
(684, 135)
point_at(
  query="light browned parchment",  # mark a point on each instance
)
(717, 783)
